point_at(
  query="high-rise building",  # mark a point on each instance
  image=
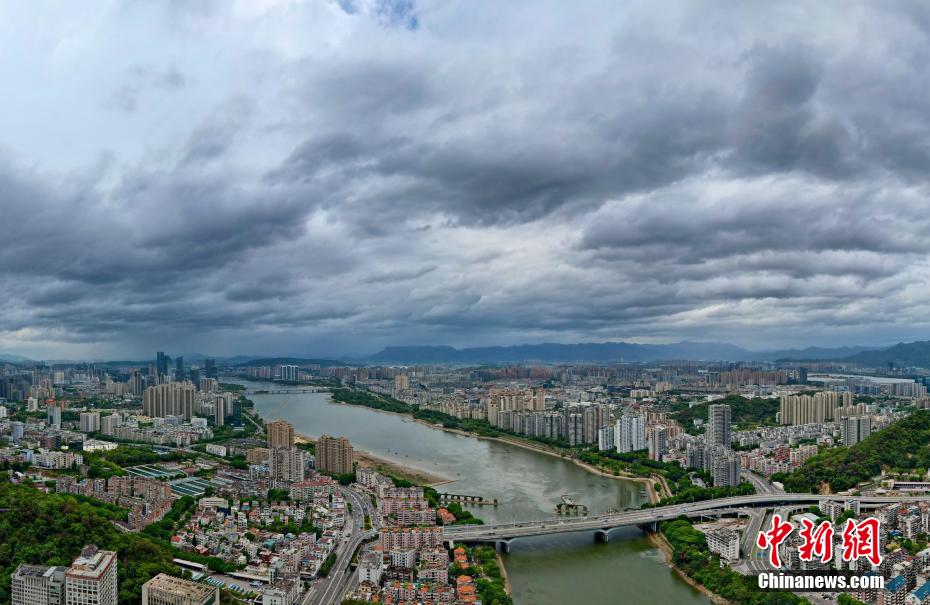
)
(657, 443)
(161, 363)
(169, 590)
(223, 407)
(219, 410)
(606, 439)
(695, 455)
(819, 408)
(573, 427)
(209, 368)
(802, 375)
(194, 376)
(288, 373)
(718, 424)
(90, 422)
(17, 430)
(726, 471)
(401, 382)
(539, 401)
(91, 579)
(855, 429)
(109, 424)
(334, 455)
(287, 465)
(54, 416)
(280, 434)
(179, 369)
(590, 424)
(630, 433)
(38, 585)
(173, 399)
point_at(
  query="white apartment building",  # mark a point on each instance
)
(91, 579)
(724, 542)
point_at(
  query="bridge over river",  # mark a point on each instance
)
(502, 533)
(292, 391)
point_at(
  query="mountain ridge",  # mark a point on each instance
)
(603, 352)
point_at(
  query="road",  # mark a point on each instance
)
(258, 427)
(331, 589)
(756, 517)
(762, 485)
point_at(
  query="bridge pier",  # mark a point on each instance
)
(502, 546)
(602, 536)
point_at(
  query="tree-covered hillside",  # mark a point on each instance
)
(743, 412)
(904, 446)
(51, 529)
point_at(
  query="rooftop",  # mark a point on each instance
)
(179, 586)
(36, 571)
(92, 563)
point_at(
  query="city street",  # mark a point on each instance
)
(331, 589)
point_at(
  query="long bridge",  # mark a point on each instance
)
(502, 534)
(284, 391)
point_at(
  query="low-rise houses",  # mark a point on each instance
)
(148, 500)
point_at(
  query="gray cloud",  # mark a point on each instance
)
(297, 179)
(142, 79)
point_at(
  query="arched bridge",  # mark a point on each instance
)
(503, 533)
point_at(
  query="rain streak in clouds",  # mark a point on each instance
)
(329, 177)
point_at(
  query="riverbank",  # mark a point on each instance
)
(506, 578)
(548, 451)
(389, 467)
(660, 542)
(539, 448)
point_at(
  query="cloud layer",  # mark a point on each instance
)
(328, 177)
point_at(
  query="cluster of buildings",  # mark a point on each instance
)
(822, 406)
(409, 562)
(148, 500)
(92, 580)
(282, 372)
(184, 400)
(273, 543)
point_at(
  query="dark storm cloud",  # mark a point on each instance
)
(373, 172)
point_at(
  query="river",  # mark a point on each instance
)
(546, 570)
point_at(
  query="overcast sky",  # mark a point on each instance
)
(333, 176)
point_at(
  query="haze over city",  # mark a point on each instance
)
(332, 177)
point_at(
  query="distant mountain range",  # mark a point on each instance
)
(903, 354)
(912, 354)
(602, 353)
